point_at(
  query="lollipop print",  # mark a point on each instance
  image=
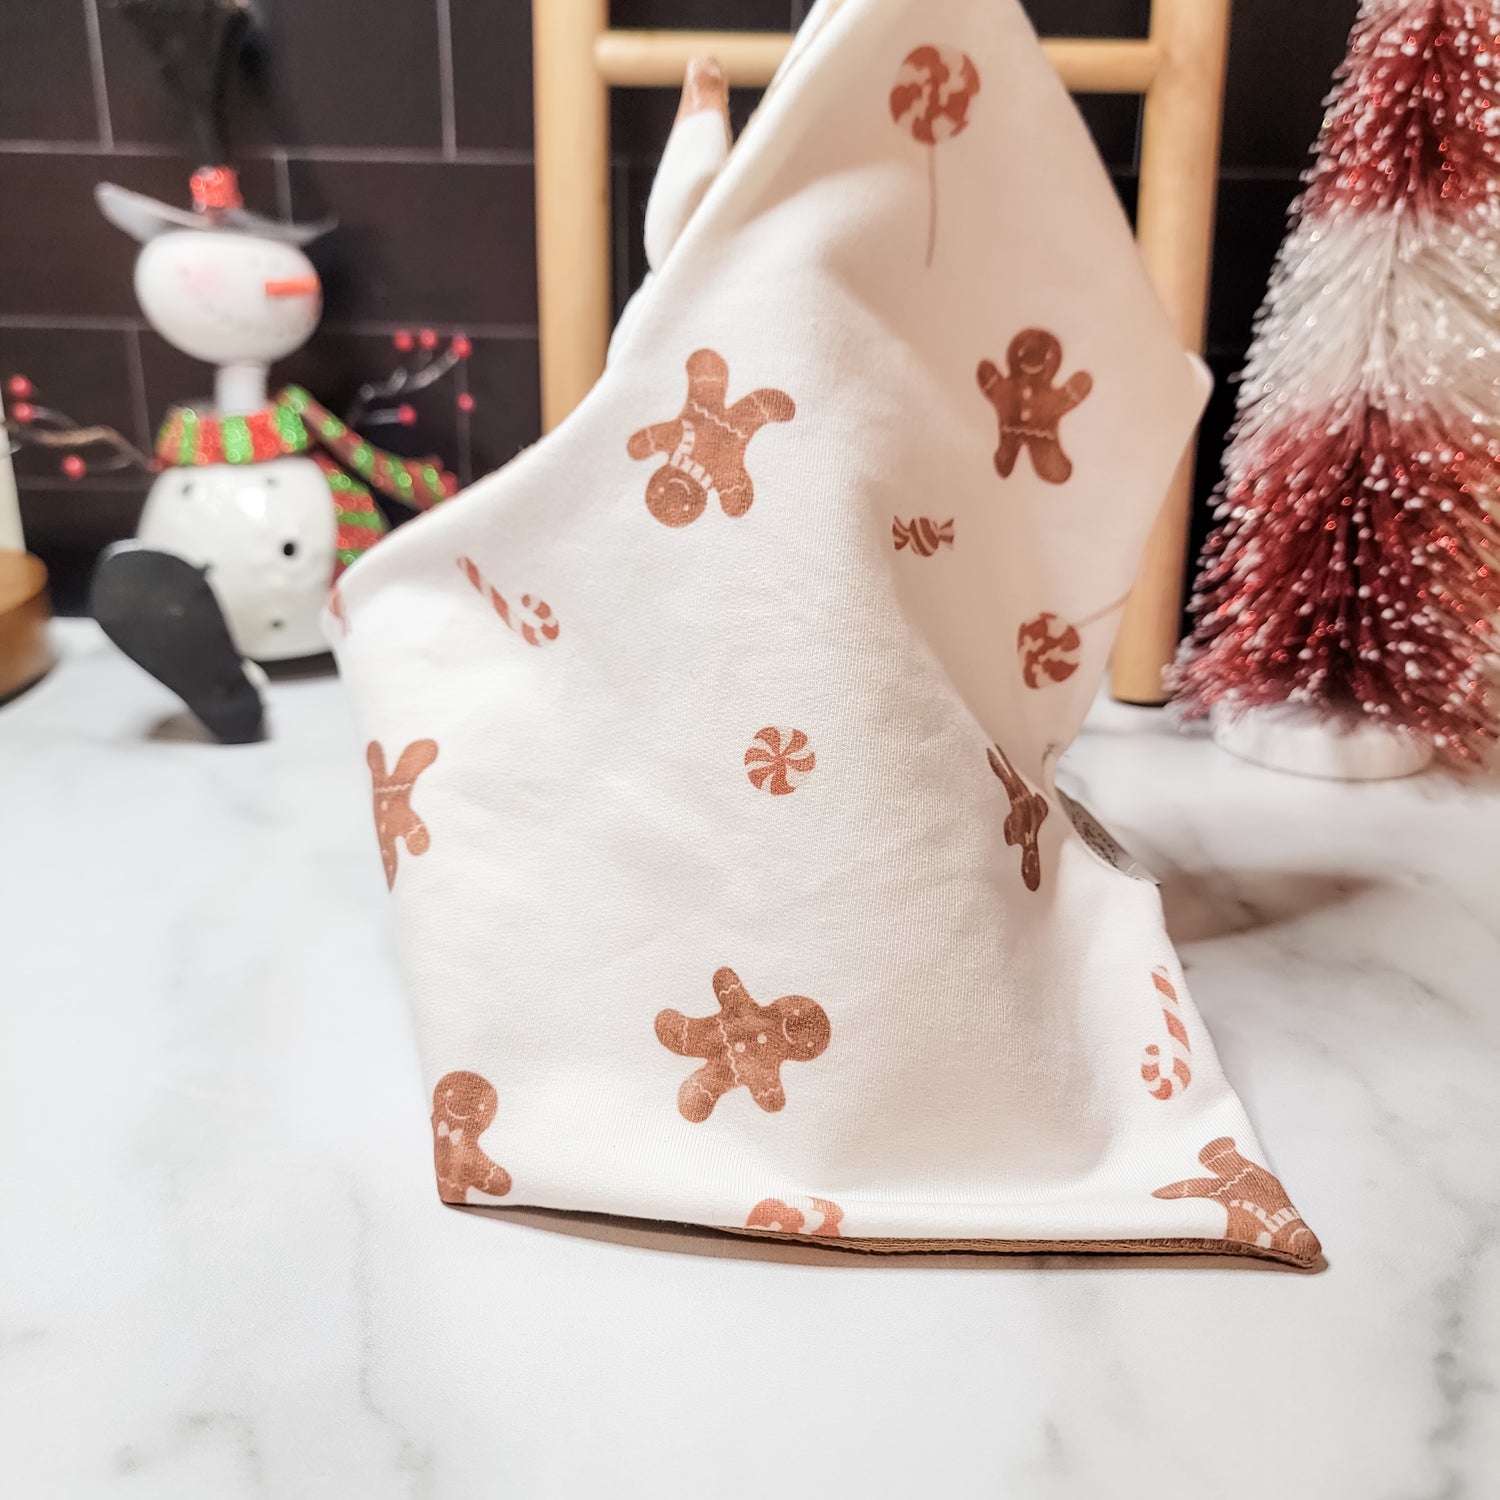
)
(931, 102)
(1050, 649)
(1048, 653)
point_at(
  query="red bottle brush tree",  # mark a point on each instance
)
(1356, 567)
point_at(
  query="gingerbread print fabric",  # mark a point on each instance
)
(464, 1106)
(778, 761)
(1167, 1074)
(1048, 649)
(818, 1218)
(934, 92)
(1259, 1211)
(744, 1046)
(922, 535)
(1023, 823)
(337, 612)
(395, 820)
(706, 445)
(764, 655)
(1031, 406)
(531, 619)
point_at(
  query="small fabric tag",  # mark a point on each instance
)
(1103, 842)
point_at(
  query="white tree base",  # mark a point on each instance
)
(1302, 741)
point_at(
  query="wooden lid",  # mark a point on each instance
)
(24, 652)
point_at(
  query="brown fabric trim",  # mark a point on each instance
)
(559, 1218)
(1040, 1247)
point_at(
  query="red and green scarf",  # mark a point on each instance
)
(296, 424)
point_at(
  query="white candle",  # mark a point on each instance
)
(10, 502)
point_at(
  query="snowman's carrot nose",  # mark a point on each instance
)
(295, 286)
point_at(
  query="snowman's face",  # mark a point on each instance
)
(224, 296)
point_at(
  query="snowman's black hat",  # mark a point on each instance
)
(197, 45)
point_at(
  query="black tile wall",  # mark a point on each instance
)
(504, 381)
(491, 74)
(49, 91)
(410, 120)
(632, 188)
(325, 74)
(1282, 57)
(639, 120)
(137, 109)
(445, 243)
(741, 15)
(1217, 421)
(1089, 17)
(1251, 225)
(1114, 120)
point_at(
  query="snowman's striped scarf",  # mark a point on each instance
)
(295, 424)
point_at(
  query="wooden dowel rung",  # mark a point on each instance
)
(1110, 66)
(657, 59)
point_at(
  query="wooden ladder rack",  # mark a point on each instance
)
(1178, 68)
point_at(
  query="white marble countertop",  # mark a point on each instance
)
(224, 1271)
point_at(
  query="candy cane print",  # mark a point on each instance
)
(536, 631)
(1164, 1085)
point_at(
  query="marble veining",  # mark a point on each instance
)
(224, 1271)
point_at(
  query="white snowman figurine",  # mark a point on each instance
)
(254, 513)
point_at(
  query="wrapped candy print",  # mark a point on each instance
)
(923, 535)
(931, 99)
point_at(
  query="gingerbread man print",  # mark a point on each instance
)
(463, 1108)
(706, 445)
(394, 817)
(1023, 824)
(818, 1217)
(1260, 1213)
(743, 1046)
(1030, 405)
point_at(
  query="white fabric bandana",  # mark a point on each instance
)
(713, 739)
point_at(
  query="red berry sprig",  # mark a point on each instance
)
(30, 424)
